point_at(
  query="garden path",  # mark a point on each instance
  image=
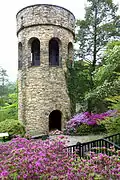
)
(74, 139)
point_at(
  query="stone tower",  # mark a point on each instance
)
(45, 41)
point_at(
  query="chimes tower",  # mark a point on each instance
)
(45, 41)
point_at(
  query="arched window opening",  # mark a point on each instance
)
(19, 56)
(35, 52)
(70, 52)
(54, 52)
(55, 120)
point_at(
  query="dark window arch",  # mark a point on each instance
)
(19, 56)
(54, 49)
(55, 120)
(35, 52)
(70, 51)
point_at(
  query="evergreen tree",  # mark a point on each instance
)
(3, 85)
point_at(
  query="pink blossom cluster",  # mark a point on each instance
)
(23, 159)
(90, 119)
(55, 132)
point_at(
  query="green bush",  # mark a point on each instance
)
(3, 115)
(85, 129)
(8, 112)
(112, 125)
(13, 127)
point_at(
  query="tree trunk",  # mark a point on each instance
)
(95, 40)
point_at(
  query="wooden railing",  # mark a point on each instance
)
(98, 146)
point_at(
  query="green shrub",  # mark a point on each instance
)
(13, 127)
(99, 129)
(112, 125)
(85, 129)
(3, 115)
(8, 112)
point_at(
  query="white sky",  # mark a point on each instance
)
(8, 38)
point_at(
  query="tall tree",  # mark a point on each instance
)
(3, 81)
(100, 25)
(107, 76)
(3, 85)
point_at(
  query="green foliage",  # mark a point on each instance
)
(107, 77)
(13, 127)
(3, 115)
(78, 81)
(112, 44)
(85, 129)
(10, 109)
(114, 102)
(3, 82)
(101, 22)
(110, 69)
(112, 125)
(82, 79)
(70, 81)
(100, 26)
(8, 103)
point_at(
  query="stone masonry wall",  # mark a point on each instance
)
(45, 14)
(43, 89)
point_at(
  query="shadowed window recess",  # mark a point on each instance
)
(35, 52)
(55, 120)
(20, 56)
(54, 52)
(70, 53)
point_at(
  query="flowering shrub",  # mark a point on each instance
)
(100, 166)
(28, 159)
(87, 118)
(56, 132)
(23, 159)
